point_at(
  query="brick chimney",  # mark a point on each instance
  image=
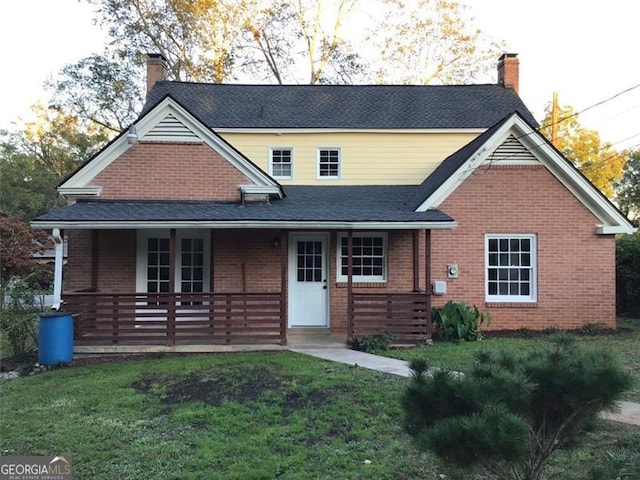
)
(509, 71)
(157, 69)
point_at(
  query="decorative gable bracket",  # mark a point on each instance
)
(80, 192)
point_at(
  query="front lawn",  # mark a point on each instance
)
(249, 416)
(226, 416)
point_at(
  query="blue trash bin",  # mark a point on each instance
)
(55, 338)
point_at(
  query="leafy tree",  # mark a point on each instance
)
(21, 279)
(422, 41)
(18, 242)
(58, 142)
(628, 275)
(195, 36)
(19, 319)
(24, 187)
(294, 41)
(39, 155)
(289, 39)
(105, 90)
(214, 41)
(430, 42)
(596, 160)
(628, 188)
(511, 413)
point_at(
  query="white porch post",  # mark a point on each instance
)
(57, 275)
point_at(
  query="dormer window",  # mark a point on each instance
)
(328, 163)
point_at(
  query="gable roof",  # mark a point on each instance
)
(233, 106)
(308, 207)
(483, 150)
(450, 165)
(166, 118)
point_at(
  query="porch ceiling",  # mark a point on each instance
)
(360, 207)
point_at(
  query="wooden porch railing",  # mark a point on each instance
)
(406, 315)
(172, 318)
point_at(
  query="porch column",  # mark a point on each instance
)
(57, 273)
(171, 304)
(95, 250)
(284, 290)
(350, 305)
(427, 278)
(212, 233)
(416, 261)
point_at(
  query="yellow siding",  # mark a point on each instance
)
(367, 158)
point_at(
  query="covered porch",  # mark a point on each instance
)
(161, 276)
(118, 321)
(257, 314)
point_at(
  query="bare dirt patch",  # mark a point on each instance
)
(236, 384)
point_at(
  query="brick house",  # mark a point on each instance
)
(234, 214)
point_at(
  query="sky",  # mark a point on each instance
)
(587, 52)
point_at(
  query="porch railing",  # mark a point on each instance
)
(172, 318)
(406, 315)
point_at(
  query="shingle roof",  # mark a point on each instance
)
(342, 106)
(302, 204)
(451, 164)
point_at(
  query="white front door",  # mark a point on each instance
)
(308, 292)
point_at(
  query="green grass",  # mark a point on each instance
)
(244, 416)
(253, 416)
(625, 343)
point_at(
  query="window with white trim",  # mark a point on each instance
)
(158, 280)
(511, 269)
(328, 163)
(192, 265)
(192, 261)
(369, 254)
(281, 162)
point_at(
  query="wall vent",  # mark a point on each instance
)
(170, 129)
(512, 152)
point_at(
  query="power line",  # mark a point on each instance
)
(625, 139)
(597, 104)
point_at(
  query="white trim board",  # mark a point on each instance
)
(610, 220)
(167, 108)
(242, 224)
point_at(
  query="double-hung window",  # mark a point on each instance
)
(328, 163)
(511, 269)
(281, 163)
(369, 257)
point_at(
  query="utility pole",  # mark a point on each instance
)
(554, 120)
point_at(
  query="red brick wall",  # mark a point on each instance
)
(576, 277)
(576, 267)
(166, 171)
(76, 273)
(230, 250)
(246, 253)
(116, 261)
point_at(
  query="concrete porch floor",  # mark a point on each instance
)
(296, 338)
